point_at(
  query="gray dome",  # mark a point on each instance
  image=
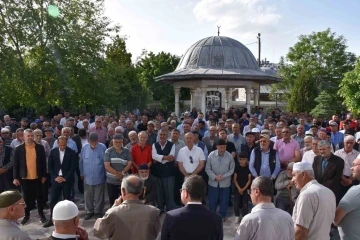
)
(218, 52)
(218, 58)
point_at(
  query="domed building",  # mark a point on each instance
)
(212, 68)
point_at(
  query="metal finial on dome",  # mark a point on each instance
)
(218, 30)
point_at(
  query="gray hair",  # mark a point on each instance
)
(349, 137)
(119, 128)
(143, 132)
(132, 184)
(310, 173)
(132, 133)
(324, 143)
(290, 165)
(65, 128)
(308, 137)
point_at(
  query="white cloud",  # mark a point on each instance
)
(246, 17)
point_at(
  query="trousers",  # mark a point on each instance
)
(219, 195)
(165, 193)
(241, 202)
(33, 191)
(56, 190)
(94, 198)
(113, 192)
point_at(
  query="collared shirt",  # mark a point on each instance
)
(92, 164)
(118, 161)
(265, 167)
(223, 165)
(195, 203)
(158, 157)
(286, 150)
(14, 143)
(266, 222)
(324, 163)
(31, 161)
(102, 133)
(310, 211)
(351, 205)
(237, 140)
(178, 145)
(348, 159)
(299, 139)
(70, 143)
(196, 154)
(62, 153)
(140, 155)
(64, 236)
(336, 138)
(309, 156)
(206, 151)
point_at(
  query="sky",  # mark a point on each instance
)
(174, 25)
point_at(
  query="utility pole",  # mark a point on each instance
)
(259, 42)
(218, 30)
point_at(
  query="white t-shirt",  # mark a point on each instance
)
(62, 153)
(185, 155)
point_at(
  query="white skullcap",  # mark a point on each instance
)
(65, 210)
(302, 166)
(308, 133)
(255, 130)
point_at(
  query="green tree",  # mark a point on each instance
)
(326, 105)
(324, 54)
(303, 93)
(153, 65)
(54, 60)
(350, 89)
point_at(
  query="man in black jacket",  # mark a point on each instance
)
(62, 164)
(148, 195)
(6, 175)
(194, 221)
(29, 170)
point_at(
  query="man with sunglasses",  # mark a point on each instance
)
(12, 207)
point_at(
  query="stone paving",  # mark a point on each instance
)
(36, 231)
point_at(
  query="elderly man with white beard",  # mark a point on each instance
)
(307, 145)
(148, 195)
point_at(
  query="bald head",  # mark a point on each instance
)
(132, 185)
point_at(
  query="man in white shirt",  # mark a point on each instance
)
(310, 155)
(314, 210)
(191, 158)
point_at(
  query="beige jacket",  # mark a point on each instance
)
(10, 231)
(131, 220)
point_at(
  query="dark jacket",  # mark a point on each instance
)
(332, 173)
(192, 222)
(163, 170)
(67, 167)
(150, 185)
(258, 160)
(20, 169)
(6, 162)
(77, 140)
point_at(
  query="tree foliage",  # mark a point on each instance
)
(326, 105)
(350, 89)
(324, 55)
(153, 65)
(303, 93)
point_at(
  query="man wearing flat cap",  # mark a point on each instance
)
(148, 195)
(314, 209)
(66, 222)
(12, 207)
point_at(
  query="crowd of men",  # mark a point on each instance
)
(291, 174)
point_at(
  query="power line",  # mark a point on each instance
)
(251, 43)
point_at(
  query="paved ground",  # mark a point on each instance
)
(35, 230)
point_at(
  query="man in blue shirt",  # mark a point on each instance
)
(336, 136)
(92, 172)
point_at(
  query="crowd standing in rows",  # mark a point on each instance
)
(300, 173)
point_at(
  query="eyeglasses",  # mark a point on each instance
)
(191, 159)
(357, 164)
(285, 132)
(21, 203)
(182, 190)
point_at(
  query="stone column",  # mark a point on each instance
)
(192, 99)
(256, 97)
(248, 92)
(203, 100)
(177, 100)
(227, 98)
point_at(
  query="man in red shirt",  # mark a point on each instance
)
(141, 152)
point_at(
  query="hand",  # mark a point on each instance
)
(240, 191)
(218, 177)
(43, 179)
(118, 201)
(16, 182)
(3, 170)
(83, 235)
(119, 175)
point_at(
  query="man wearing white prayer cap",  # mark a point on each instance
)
(315, 207)
(66, 221)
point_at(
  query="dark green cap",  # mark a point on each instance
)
(9, 198)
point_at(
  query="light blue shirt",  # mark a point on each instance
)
(265, 168)
(337, 138)
(92, 164)
(70, 143)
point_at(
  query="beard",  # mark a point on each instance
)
(144, 178)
